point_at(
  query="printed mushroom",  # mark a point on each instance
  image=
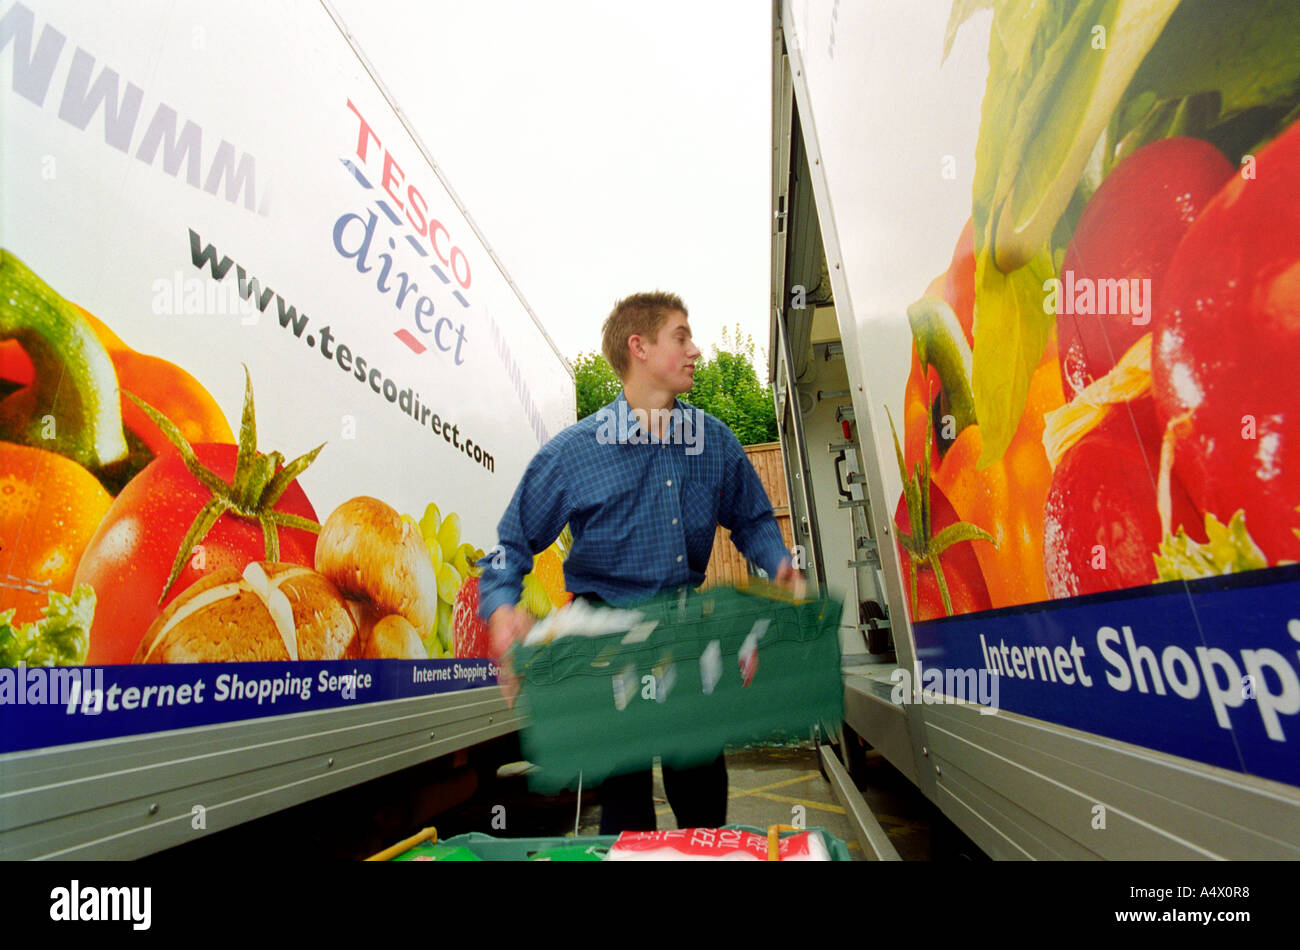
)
(393, 638)
(371, 554)
(269, 612)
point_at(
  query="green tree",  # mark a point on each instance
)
(595, 382)
(726, 386)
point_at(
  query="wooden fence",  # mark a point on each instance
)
(727, 566)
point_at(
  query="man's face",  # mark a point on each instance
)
(671, 356)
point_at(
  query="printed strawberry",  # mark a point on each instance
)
(1229, 549)
(469, 632)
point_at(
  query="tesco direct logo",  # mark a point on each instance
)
(414, 207)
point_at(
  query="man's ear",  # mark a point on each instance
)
(636, 346)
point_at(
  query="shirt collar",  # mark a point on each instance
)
(623, 411)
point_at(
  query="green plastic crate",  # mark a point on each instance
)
(438, 851)
(605, 705)
(489, 848)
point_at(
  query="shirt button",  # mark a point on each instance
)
(679, 559)
(675, 522)
(669, 483)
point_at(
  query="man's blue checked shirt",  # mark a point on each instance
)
(643, 512)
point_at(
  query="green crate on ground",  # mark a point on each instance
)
(438, 851)
(673, 684)
(489, 848)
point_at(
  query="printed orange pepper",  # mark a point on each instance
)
(176, 393)
(63, 447)
(1007, 498)
(165, 386)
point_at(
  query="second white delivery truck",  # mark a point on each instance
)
(1034, 333)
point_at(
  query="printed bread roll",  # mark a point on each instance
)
(269, 612)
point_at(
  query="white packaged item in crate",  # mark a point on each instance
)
(714, 844)
(581, 619)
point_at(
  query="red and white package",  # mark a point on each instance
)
(714, 844)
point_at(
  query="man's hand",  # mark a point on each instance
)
(506, 627)
(790, 579)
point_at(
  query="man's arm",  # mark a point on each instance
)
(534, 518)
(747, 513)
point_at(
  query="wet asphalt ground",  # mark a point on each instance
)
(767, 785)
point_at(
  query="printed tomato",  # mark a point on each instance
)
(1128, 232)
(1226, 347)
(188, 513)
(130, 557)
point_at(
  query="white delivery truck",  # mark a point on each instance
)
(265, 389)
(1034, 333)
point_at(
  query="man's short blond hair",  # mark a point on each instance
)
(637, 315)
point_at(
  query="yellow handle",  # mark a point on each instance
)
(774, 839)
(428, 834)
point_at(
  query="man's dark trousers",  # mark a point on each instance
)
(698, 796)
(697, 793)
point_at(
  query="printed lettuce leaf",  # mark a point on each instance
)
(962, 10)
(1072, 88)
(1229, 549)
(1056, 74)
(1226, 73)
(60, 638)
(1245, 51)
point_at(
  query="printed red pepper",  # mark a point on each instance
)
(1226, 350)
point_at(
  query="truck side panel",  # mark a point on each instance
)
(200, 205)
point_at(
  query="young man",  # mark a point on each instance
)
(643, 484)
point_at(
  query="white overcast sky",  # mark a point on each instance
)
(601, 146)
